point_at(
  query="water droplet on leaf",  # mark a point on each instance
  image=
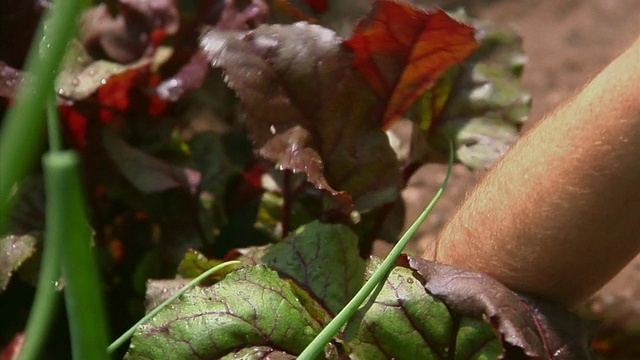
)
(355, 216)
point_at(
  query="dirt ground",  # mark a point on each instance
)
(567, 42)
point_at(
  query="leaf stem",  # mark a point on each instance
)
(66, 219)
(124, 337)
(319, 342)
(286, 199)
(53, 124)
(47, 293)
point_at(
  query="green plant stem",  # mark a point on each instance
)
(66, 219)
(53, 124)
(124, 337)
(46, 299)
(47, 293)
(22, 133)
(319, 342)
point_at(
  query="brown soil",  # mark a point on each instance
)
(568, 42)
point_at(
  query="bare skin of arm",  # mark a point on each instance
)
(559, 215)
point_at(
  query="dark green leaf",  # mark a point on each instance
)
(195, 263)
(322, 258)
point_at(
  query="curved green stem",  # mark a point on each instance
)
(81, 277)
(315, 348)
(47, 293)
(124, 337)
(53, 124)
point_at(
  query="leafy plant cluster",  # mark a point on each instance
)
(244, 130)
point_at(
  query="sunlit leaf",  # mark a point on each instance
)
(250, 307)
(309, 111)
(402, 51)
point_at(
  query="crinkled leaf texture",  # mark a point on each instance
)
(423, 310)
(14, 250)
(250, 307)
(309, 110)
(320, 258)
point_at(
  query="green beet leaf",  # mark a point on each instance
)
(402, 321)
(322, 258)
(250, 307)
(423, 310)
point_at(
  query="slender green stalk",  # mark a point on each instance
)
(67, 221)
(47, 294)
(124, 337)
(22, 133)
(316, 347)
(53, 124)
(46, 299)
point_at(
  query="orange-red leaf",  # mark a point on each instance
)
(402, 51)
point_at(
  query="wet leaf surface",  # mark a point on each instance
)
(195, 263)
(259, 353)
(10, 78)
(14, 250)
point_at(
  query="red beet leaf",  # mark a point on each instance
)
(402, 51)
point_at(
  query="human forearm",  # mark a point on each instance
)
(558, 215)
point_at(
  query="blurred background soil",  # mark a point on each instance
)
(567, 42)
